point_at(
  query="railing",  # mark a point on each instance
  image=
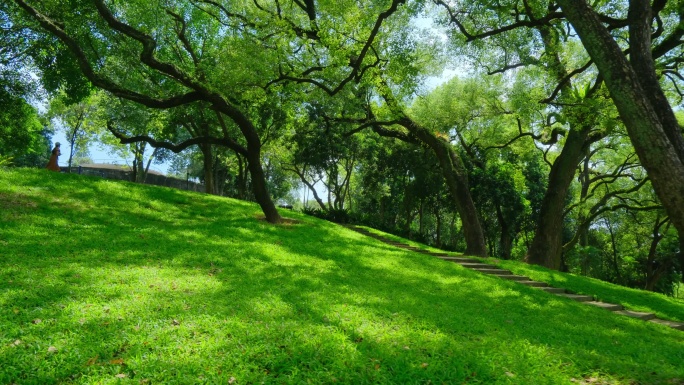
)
(153, 179)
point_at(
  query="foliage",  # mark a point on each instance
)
(22, 135)
(5, 160)
(340, 216)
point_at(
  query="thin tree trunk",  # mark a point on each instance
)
(420, 218)
(242, 177)
(149, 162)
(309, 185)
(613, 243)
(655, 273)
(584, 229)
(505, 239)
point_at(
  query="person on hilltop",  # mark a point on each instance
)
(52, 164)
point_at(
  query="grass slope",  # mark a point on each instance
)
(110, 282)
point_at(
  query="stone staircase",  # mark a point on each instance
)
(478, 266)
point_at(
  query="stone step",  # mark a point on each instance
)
(636, 314)
(512, 277)
(459, 259)
(490, 271)
(607, 306)
(672, 324)
(554, 290)
(577, 297)
(534, 283)
(483, 267)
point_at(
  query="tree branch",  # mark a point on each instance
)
(176, 148)
(98, 80)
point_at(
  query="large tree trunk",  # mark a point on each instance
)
(259, 185)
(647, 127)
(260, 188)
(208, 168)
(457, 181)
(548, 239)
(547, 246)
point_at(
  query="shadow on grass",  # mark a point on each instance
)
(174, 287)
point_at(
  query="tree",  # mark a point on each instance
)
(23, 137)
(643, 106)
(178, 58)
(641, 102)
(81, 121)
(451, 165)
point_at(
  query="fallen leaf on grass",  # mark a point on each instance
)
(231, 380)
(175, 322)
(16, 343)
(424, 365)
(121, 375)
(92, 361)
(117, 361)
(509, 374)
(36, 321)
(52, 349)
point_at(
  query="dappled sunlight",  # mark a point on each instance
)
(203, 290)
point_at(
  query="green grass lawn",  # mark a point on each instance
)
(669, 308)
(110, 282)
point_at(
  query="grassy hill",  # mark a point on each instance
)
(110, 282)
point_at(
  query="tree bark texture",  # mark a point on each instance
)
(547, 244)
(657, 151)
(208, 168)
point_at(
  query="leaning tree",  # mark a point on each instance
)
(622, 40)
(225, 54)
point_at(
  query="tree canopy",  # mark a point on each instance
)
(558, 132)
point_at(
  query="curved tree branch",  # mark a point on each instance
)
(176, 148)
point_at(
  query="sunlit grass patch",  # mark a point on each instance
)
(665, 307)
(111, 282)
